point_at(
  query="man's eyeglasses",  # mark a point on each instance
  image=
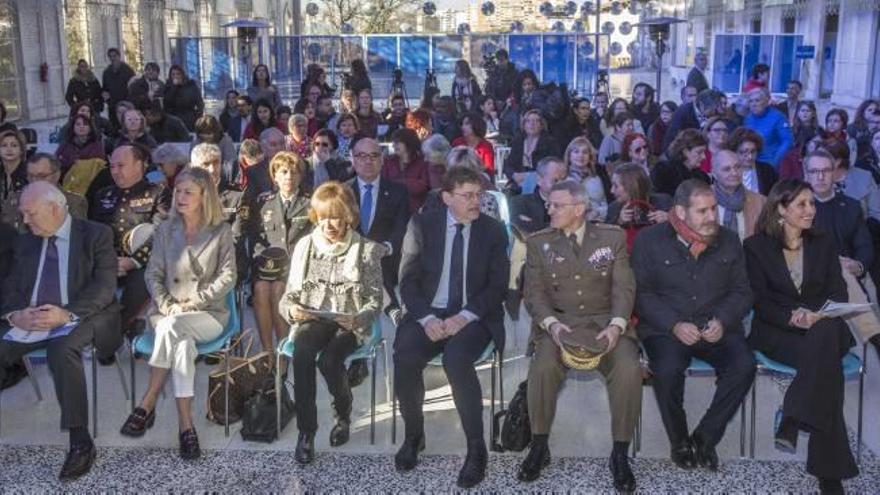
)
(367, 156)
(39, 177)
(558, 206)
(819, 172)
(470, 196)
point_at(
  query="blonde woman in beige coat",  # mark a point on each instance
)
(190, 272)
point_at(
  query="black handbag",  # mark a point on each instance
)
(516, 432)
(259, 416)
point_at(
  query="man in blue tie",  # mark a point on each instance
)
(63, 273)
(453, 276)
(384, 212)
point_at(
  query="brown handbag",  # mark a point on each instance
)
(246, 374)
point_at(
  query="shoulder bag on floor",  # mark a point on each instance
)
(246, 374)
(516, 432)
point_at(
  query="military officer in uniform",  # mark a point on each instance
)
(580, 288)
(208, 156)
(131, 201)
(279, 220)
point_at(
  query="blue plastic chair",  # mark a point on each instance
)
(504, 214)
(853, 367)
(491, 356)
(369, 350)
(697, 367)
(143, 345)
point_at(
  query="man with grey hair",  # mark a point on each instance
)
(59, 296)
(528, 212)
(771, 124)
(580, 291)
(693, 115)
(45, 167)
(697, 76)
(258, 180)
(170, 158)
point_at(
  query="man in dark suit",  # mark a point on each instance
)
(789, 105)
(64, 272)
(692, 115)
(384, 212)
(453, 275)
(528, 212)
(239, 123)
(696, 77)
(692, 296)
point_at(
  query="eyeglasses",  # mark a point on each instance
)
(367, 156)
(558, 206)
(719, 130)
(39, 177)
(820, 172)
(469, 196)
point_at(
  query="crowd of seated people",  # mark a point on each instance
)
(635, 223)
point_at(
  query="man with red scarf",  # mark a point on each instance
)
(692, 296)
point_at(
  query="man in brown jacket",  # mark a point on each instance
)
(579, 287)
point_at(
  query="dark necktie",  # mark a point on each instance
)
(50, 279)
(573, 240)
(456, 271)
(288, 212)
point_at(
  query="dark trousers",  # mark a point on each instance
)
(135, 296)
(815, 397)
(412, 351)
(390, 266)
(735, 371)
(64, 355)
(334, 345)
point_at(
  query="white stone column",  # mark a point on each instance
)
(854, 63)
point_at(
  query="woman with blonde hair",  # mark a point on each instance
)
(333, 296)
(580, 159)
(190, 272)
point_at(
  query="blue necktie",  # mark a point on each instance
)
(50, 279)
(456, 271)
(366, 208)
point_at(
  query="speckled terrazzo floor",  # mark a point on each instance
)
(140, 470)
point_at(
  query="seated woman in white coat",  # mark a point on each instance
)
(190, 272)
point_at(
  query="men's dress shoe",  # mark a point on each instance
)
(704, 453)
(357, 372)
(624, 479)
(829, 486)
(407, 456)
(305, 448)
(537, 459)
(79, 461)
(786, 436)
(683, 455)
(138, 422)
(340, 432)
(189, 444)
(474, 469)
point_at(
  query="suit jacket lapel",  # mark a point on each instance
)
(379, 203)
(76, 246)
(809, 268)
(32, 264)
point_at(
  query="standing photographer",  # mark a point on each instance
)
(501, 75)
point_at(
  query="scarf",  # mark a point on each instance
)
(732, 204)
(696, 243)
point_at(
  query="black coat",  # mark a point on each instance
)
(776, 295)
(683, 118)
(546, 146)
(528, 212)
(391, 205)
(666, 176)
(672, 286)
(169, 130)
(90, 91)
(184, 101)
(697, 80)
(571, 129)
(842, 218)
(487, 274)
(115, 82)
(767, 177)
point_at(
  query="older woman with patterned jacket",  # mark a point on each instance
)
(333, 296)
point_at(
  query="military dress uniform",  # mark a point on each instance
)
(587, 284)
(122, 210)
(279, 224)
(236, 212)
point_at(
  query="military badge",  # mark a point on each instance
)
(601, 259)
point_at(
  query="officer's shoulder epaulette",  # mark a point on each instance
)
(606, 226)
(541, 233)
(265, 196)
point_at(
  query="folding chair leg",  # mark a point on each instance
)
(33, 379)
(131, 369)
(388, 376)
(373, 396)
(278, 386)
(393, 412)
(742, 429)
(121, 376)
(501, 381)
(861, 410)
(226, 390)
(754, 415)
(492, 396)
(94, 393)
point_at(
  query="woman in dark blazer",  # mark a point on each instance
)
(528, 148)
(793, 271)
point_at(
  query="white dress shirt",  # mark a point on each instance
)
(441, 297)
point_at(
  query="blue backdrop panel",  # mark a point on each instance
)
(727, 63)
(218, 60)
(586, 65)
(785, 66)
(559, 53)
(756, 50)
(381, 54)
(525, 51)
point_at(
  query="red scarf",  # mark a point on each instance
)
(696, 243)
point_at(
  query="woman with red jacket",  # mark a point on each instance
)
(407, 166)
(473, 135)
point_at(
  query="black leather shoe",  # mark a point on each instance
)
(474, 469)
(829, 486)
(704, 453)
(786, 436)
(624, 479)
(683, 455)
(407, 456)
(357, 372)
(189, 444)
(340, 432)
(138, 422)
(305, 448)
(79, 461)
(537, 459)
